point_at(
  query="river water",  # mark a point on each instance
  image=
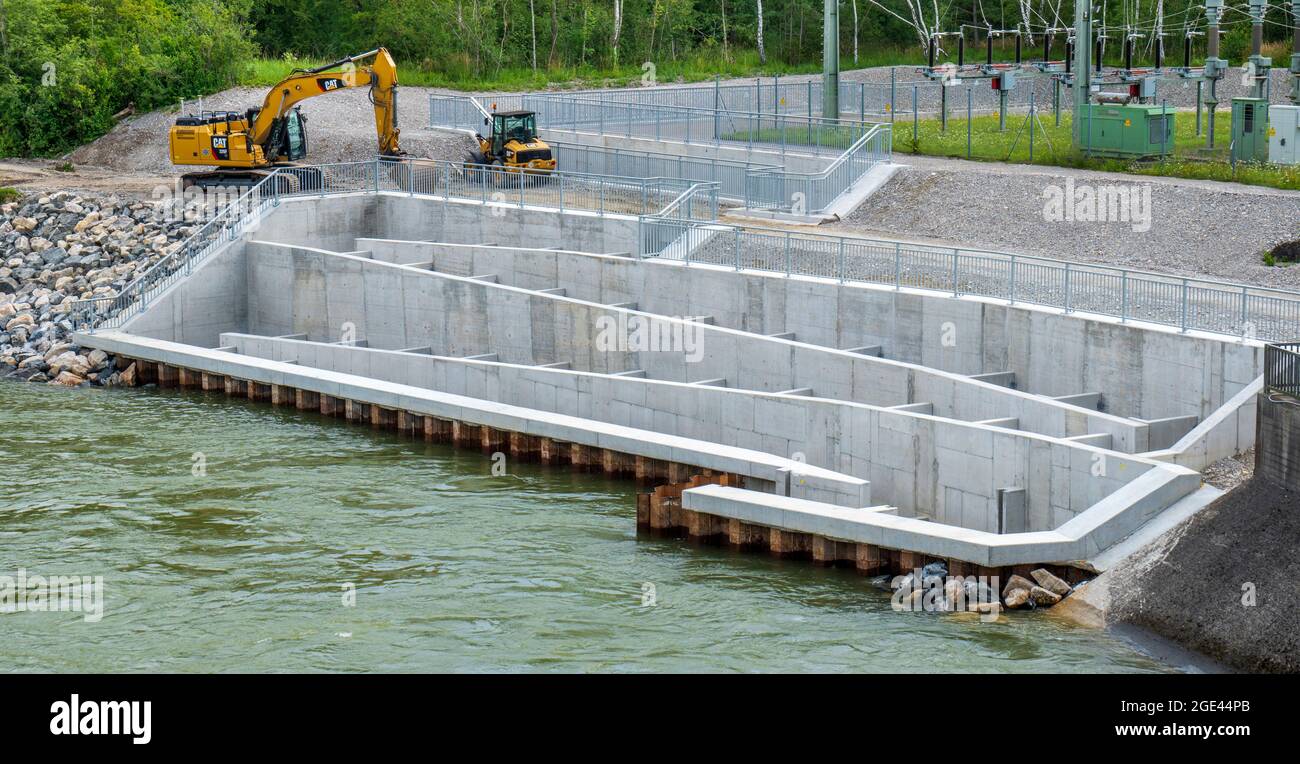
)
(233, 536)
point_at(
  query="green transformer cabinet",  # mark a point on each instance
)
(1250, 129)
(1129, 131)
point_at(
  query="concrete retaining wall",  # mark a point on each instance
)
(950, 471)
(297, 290)
(1142, 372)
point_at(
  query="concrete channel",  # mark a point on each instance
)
(808, 416)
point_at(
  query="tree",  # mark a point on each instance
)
(618, 27)
(758, 39)
(855, 31)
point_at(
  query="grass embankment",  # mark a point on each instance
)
(1052, 146)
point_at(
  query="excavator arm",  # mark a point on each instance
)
(375, 70)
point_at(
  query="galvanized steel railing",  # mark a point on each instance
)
(774, 132)
(1282, 368)
(817, 191)
(729, 174)
(878, 100)
(755, 185)
(1186, 303)
(561, 191)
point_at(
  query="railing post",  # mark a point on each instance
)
(1123, 296)
(1244, 313)
(1067, 287)
(1013, 280)
(1184, 321)
(898, 265)
(737, 248)
(787, 254)
(956, 291)
(842, 269)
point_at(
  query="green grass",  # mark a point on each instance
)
(1052, 146)
(9, 195)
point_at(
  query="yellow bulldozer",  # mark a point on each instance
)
(247, 147)
(512, 145)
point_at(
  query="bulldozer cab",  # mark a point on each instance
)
(510, 126)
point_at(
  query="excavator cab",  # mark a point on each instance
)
(513, 144)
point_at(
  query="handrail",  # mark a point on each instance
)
(1185, 303)
(602, 194)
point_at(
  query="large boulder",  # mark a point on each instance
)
(1043, 598)
(1050, 582)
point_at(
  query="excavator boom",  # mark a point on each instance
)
(245, 146)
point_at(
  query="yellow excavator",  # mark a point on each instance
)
(247, 147)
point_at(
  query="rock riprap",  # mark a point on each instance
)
(59, 248)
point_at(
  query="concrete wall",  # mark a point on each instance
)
(335, 222)
(924, 465)
(763, 472)
(297, 290)
(1141, 372)
(198, 309)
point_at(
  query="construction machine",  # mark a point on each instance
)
(247, 147)
(513, 144)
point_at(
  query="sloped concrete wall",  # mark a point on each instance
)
(297, 290)
(198, 309)
(1143, 372)
(948, 470)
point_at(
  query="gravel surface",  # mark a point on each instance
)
(1231, 472)
(1190, 585)
(1198, 228)
(340, 128)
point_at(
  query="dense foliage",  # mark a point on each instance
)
(68, 66)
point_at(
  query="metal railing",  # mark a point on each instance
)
(817, 191)
(227, 224)
(1185, 303)
(729, 174)
(774, 132)
(795, 97)
(460, 112)
(645, 198)
(1282, 368)
(755, 185)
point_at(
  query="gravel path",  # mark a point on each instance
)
(1198, 228)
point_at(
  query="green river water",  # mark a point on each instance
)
(246, 568)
